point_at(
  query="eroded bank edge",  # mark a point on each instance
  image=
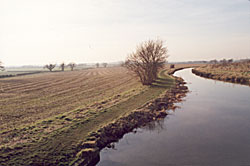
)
(88, 151)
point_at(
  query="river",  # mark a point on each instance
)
(211, 127)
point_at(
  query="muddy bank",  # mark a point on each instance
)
(232, 79)
(88, 151)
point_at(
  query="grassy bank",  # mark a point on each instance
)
(50, 135)
(89, 149)
(238, 72)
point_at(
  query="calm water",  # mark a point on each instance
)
(212, 127)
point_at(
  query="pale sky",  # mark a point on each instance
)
(36, 32)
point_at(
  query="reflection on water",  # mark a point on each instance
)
(154, 126)
(211, 128)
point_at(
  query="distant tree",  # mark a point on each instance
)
(62, 66)
(50, 66)
(97, 65)
(147, 60)
(72, 65)
(1, 66)
(230, 60)
(214, 61)
(104, 64)
(223, 61)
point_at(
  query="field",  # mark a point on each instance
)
(10, 72)
(237, 72)
(28, 99)
(44, 115)
(26, 70)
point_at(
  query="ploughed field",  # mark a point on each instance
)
(45, 117)
(29, 100)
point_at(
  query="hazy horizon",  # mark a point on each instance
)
(36, 32)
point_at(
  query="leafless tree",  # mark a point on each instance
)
(214, 61)
(1, 66)
(97, 65)
(62, 66)
(230, 60)
(105, 64)
(50, 66)
(147, 60)
(72, 65)
(223, 61)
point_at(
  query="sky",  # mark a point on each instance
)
(38, 32)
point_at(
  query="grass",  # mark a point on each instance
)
(238, 72)
(45, 116)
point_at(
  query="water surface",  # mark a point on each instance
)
(212, 127)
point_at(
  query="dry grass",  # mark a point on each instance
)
(238, 72)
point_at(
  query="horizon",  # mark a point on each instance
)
(42, 32)
(117, 63)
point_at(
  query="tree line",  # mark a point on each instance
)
(62, 66)
(71, 65)
(223, 61)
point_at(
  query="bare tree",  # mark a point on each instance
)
(50, 66)
(104, 64)
(147, 60)
(1, 66)
(230, 60)
(72, 65)
(97, 65)
(62, 66)
(223, 61)
(214, 61)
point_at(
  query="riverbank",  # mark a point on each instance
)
(231, 72)
(156, 109)
(210, 125)
(57, 140)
